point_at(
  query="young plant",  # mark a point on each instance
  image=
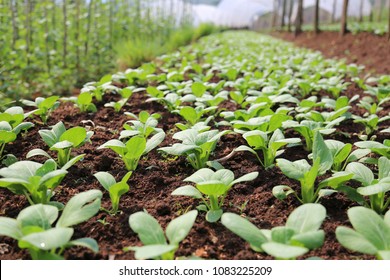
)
(306, 174)
(34, 231)
(117, 106)
(191, 115)
(370, 234)
(342, 154)
(156, 246)
(300, 234)
(11, 124)
(45, 106)
(370, 123)
(308, 128)
(197, 147)
(63, 141)
(375, 189)
(34, 180)
(83, 102)
(132, 151)
(144, 125)
(115, 189)
(270, 146)
(376, 147)
(212, 187)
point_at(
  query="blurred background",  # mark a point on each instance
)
(55, 46)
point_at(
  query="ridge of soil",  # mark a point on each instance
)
(158, 175)
(363, 48)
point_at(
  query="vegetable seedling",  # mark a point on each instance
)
(212, 187)
(155, 244)
(197, 147)
(45, 106)
(34, 180)
(115, 189)
(370, 233)
(34, 231)
(63, 141)
(300, 234)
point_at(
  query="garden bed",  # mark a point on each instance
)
(157, 175)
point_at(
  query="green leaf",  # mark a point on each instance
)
(188, 191)
(294, 170)
(247, 177)
(383, 255)
(213, 216)
(282, 234)
(244, 229)
(212, 187)
(39, 215)
(148, 229)
(84, 98)
(116, 191)
(374, 189)
(105, 179)
(200, 176)
(37, 152)
(370, 225)
(360, 173)
(198, 89)
(72, 161)
(179, 228)
(383, 167)
(115, 145)
(80, 208)
(282, 191)
(321, 152)
(152, 251)
(154, 142)
(310, 240)
(307, 217)
(50, 239)
(283, 251)
(354, 241)
(87, 243)
(9, 227)
(7, 136)
(75, 135)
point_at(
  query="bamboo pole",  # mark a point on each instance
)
(343, 26)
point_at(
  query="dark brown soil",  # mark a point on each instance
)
(154, 180)
(363, 48)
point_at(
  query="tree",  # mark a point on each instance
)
(388, 27)
(283, 13)
(275, 13)
(316, 16)
(343, 27)
(299, 18)
(361, 11)
(333, 18)
(290, 9)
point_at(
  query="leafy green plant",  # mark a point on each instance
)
(156, 245)
(376, 147)
(370, 233)
(132, 151)
(212, 187)
(144, 125)
(83, 102)
(308, 128)
(197, 147)
(370, 123)
(63, 141)
(192, 116)
(306, 174)
(115, 189)
(11, 124)
(45, 106)
(269, 145)
(375, 189)
(300, 234)
(34, 231)
(35, 181)
(342, 154)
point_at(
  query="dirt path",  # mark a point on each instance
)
(365, 49)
